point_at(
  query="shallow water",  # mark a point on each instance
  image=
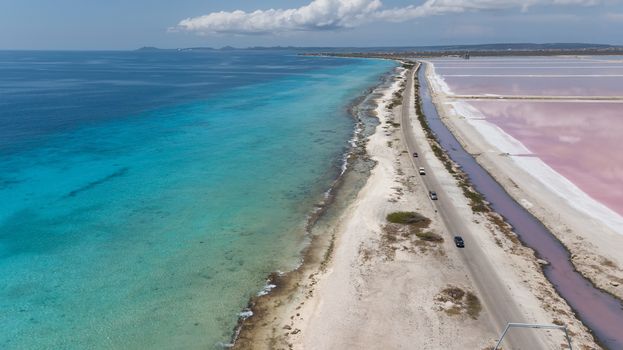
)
(145, 197)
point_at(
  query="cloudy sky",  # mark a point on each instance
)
(121, 24)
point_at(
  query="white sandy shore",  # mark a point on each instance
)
(590, 230)
(380, 291)
(378, 296)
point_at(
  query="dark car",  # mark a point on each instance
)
(415, 155)
(432, 195)
(458, 240)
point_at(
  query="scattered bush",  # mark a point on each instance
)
(476, 200)
(461, 302)
(429, 236)
(608, 263)
(455, 293)
(473, 305)
(406, 218)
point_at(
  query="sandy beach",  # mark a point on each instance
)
(590, 231)
(377, 285)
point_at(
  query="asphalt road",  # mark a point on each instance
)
(492, 290)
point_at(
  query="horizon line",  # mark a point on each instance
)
(228, 47)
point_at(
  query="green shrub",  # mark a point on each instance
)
(406, 218)
(429, 236)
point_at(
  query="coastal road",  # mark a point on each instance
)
(499, 304)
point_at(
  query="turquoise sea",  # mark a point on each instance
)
(146, 196)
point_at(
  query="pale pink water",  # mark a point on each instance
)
(539, 86)
(529, 61)
(581, 141)
(530, 70)
(562, 76)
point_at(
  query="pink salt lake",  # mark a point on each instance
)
(581, 141)
(533, 76)
(540, 86)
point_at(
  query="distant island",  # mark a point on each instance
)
(465, 51)
(224, 48)
(495, 49)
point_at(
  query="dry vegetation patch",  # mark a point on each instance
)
(408, 218)
(455, 301)
(429, 236)
(407, 231)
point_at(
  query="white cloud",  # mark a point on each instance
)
(318, 15)
(338, 14)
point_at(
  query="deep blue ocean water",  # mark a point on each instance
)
(144, 197)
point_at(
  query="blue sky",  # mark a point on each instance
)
(119, 24)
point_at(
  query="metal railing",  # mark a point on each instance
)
(534, 325)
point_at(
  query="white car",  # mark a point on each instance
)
(422, 171)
